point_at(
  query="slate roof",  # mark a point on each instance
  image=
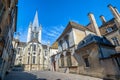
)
(93, 38)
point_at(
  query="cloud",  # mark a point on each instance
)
(52, 33)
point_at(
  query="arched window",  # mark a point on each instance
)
(34, 47)
(28, 59)
(34, 59)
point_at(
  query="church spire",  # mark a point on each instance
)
(35, 21)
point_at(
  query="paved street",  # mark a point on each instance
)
(46, 75)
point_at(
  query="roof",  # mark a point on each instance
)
(93, 38)
(44, 46)
(54, 45)
(16, 40)
(22, 44)
(107, 23)
(73, 25)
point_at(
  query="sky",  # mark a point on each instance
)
(54, 15)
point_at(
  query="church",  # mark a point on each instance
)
(34, 54)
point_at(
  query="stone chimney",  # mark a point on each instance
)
(117, 11)
(94, 24)
(114, 12)
(102, 19)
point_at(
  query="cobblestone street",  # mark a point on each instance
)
(46, 75)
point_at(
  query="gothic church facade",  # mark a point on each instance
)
(35, 54)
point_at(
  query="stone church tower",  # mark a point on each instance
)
(35, 54)
(34, 30)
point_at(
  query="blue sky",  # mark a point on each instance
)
(54, 15)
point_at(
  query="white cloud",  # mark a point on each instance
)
(52, 33)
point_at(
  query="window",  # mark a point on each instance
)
(86, 62)
(33, 59)
(45, 53)
(28, 59)
(118, 62)
(28, 49)
(34, 47)
(115, 41)
(67, 43)
(62, 60)
(109, 29)
(36, 35)
(1, 8)
(69, 63)
(60, 43)
(28, 53)
(34, 53)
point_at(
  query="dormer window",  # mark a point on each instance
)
(109, 29)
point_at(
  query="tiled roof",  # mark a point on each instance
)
(54, 45)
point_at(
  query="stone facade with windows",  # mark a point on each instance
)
(33, 55)
(67, 44)
(53, 58)
(94, 61)
(90, 50)
(111, 28)
(8, 21)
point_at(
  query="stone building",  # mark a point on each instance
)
(8, 19)
(33, 54)
(19, 53)
(67, 44)
(96, 60)
(53, 57)
(89, 50)
(111, 29)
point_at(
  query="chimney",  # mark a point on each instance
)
(102, 19)
(94, 24)
(115, 14)
(117, 11)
